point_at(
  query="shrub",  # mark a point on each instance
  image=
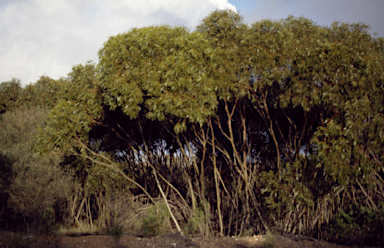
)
(198, 220)
(154, 223)
(37, 187)
(39, 184)
(115, 230)
(269, 241)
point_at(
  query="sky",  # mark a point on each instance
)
(48, 37)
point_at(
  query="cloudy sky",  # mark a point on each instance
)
(48, 37)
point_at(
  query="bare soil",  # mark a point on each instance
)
(12, 240)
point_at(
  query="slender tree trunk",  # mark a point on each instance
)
(216, 179)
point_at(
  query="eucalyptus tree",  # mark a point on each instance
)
(160, 76)
(349, 143)
(45, 92)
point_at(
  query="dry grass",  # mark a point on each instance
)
(85, 229)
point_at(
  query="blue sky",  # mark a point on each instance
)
(243, 5)
(48, 37)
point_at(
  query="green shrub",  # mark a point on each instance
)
(155, 221)
(269, 240)
(195, 221)
(39, 184)
(115, 230)
(37, 188)
(357, 224)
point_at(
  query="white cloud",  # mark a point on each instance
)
(48, 37)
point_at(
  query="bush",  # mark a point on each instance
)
(115, 230)
(39, 184)
(269, 240)
(198, 220)
(155, 221)
(37, 189)
(358, 225)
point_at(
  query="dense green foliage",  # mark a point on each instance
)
(275, 126)
(34, 189)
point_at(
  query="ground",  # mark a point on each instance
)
(12, 240)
